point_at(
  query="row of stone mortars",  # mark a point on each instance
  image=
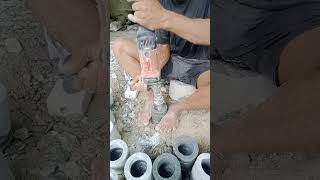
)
(184, 164)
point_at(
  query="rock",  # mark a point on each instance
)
(21, 134)
(111, 98)
(133, 27)
(71, 169)
(15, 148)
(60, 103)
(130, 94)
(38, 76)
(55, 49)
(46, 171)
(13, 45)
(115, 26)
(179, 90)
(163, 89)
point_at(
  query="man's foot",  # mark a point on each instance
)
(169, 122)
(145, 114)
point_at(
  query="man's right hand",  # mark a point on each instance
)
(148, 13)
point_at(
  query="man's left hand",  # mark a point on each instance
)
(148, 13)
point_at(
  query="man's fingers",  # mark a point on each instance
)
(133, 0)
(135, 19)
(139, 14)
(138, 6)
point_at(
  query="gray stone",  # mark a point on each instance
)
(60, 103)
(179, 90)
(115, 26)
(13, 45)
(46, 171)
(71, 169)
(21, 134)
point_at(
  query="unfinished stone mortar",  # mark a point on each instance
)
(138, 167)
(186, 149)
(118, 155)
(113, 175)
(201, 168)
(166, 166)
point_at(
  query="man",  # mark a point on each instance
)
(183, 33)
(281, 40)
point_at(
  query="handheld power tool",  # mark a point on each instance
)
(150, 70)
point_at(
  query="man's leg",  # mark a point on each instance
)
(126, 52)
(289, 121)
(197, 101)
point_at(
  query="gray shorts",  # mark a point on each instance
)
(184, 69)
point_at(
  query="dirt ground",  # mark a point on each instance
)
(43, 147)
(146, 138)
(237, 91)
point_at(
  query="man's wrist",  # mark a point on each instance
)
(166, 22)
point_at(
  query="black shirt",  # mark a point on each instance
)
(181, 47)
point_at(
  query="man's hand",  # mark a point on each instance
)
(148, 13)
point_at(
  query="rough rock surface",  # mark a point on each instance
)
(146, 138)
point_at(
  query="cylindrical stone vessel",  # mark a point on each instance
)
(166, 166)
(114, 133)
(138, 167)
(5, 124)
(118, 155)
(201, 168)
(186, 149)
(113, 175)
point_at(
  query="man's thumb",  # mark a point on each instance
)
(134, 19)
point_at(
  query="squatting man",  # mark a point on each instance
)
(183, 38)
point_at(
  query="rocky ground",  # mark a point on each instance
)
(146, 138)
(43, 147)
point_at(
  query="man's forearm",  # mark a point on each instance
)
(196, 31)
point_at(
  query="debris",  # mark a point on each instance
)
(129, 94)
(21, 134)
(114, 134)
(46, 171)
(133, 27)
(71, 169)
(115, 26)
(13, 45)
(15, 148)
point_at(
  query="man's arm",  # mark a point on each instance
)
(197, 31)
(152, 15)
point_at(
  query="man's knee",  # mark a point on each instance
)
(120, 45)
